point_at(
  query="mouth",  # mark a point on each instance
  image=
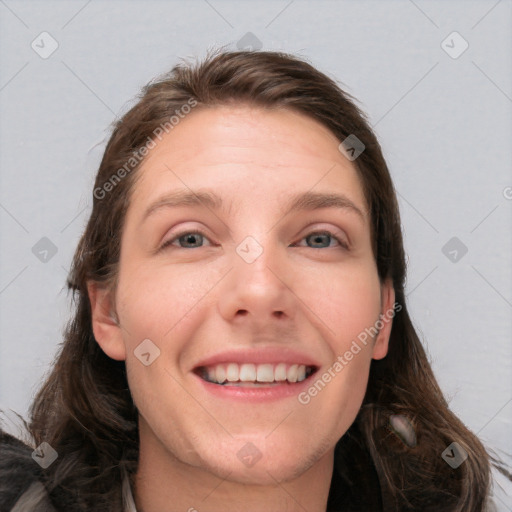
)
(255, 375)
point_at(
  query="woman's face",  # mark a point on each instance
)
(249, 289)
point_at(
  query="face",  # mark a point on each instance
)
(248, 290)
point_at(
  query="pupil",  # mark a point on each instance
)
(189, 239)
(318, 238)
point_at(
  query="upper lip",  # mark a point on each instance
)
(269, 355)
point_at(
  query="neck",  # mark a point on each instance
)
(165, 484)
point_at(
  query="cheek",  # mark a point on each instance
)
(350, 389)
(156, 303)
(346, 301)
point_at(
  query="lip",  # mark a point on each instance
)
(270, 355)
(264, 393)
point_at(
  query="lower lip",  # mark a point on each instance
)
(256, 394)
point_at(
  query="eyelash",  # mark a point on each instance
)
(169, 242)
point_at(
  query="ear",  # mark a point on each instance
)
(105, 328)
(380, 348)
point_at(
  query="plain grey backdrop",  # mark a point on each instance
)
(435, 78)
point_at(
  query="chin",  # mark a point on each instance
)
(268, 472)
(257, 461)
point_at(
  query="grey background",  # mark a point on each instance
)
(445, 125)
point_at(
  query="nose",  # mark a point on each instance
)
(258, 287)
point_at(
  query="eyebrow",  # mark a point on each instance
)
(308, 201)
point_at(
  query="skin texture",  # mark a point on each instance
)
(198, 297)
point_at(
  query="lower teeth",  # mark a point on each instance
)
(251, 384)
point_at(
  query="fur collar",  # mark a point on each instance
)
(21, 480)
(21, 487)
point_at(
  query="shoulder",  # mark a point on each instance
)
(21, 487)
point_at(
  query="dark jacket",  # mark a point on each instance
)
(21, 487)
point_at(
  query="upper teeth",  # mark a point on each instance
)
(248, 372)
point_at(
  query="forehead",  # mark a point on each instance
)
(213, 132)
(247, 150)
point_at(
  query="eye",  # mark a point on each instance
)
(188, 237)
(193, 239)
(322, 237)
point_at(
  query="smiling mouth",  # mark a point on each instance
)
(255, 375)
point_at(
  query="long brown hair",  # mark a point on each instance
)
(84, 409)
